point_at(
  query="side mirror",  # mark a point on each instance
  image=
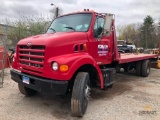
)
(108, 24)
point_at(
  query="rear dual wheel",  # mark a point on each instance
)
(146, 65)
(138, 68)
(143, 68)
(80, 94)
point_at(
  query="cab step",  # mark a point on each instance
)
(108, 77)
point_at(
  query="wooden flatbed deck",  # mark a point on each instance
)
(128, 57)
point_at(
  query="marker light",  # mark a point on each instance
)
(84, 47)
(63, 68)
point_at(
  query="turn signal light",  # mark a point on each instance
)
(84, 47)
(64, 68)
(158, 64)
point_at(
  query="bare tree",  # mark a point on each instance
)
(129, 32)
(24, 27)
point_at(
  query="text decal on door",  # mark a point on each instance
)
(102, 50)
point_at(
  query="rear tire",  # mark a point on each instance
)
(146, 65)
(80, 94)
(26, 91)
(138, 68)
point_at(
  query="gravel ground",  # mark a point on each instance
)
(131, 98)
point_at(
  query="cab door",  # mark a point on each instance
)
(100, 46)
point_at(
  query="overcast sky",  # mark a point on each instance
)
(126, 11)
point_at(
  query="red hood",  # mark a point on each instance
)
(57, 43)
(53, 38)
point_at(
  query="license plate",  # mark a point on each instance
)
(25, 79)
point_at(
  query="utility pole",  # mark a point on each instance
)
(57, 10)
(145, 30)
(146, 38)
(126, 38)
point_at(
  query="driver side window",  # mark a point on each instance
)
(98, 26)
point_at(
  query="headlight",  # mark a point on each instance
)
(55, 66)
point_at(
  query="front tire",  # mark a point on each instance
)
(26, 91)
(80, 94)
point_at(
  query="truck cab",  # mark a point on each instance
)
(79, 51)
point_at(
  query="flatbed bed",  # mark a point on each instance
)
(128, 57)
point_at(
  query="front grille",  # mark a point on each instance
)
(32, 56)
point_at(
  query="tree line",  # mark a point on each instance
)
(146, 34)
(26, 26)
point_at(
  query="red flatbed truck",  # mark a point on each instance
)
(78, 52)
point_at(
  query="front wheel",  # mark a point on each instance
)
(26, 91)
(80, 94)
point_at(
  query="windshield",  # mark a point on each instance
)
(75, 22)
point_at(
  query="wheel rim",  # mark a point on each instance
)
(86, 96)
(87, 92)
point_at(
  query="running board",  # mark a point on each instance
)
(108, 77)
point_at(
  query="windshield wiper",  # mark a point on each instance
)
(70, 28)
(52, 29)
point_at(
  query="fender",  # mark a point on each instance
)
(14, 63)
(74, 62)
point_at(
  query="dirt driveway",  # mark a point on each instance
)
(131, 98)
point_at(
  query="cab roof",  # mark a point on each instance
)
(78, 12)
